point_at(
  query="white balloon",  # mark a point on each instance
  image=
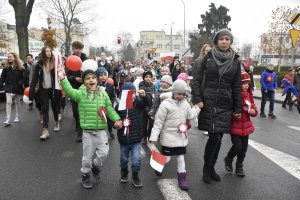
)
(26, 99)
(89, 64)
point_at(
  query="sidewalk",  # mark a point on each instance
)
(278, 97)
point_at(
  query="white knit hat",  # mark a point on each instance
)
(179, 86)
(167, 79)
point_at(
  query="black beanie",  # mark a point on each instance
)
(147, 73)
(221, 33)
(85, 73)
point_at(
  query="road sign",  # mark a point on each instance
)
(294, 18)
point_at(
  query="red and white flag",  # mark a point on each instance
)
(126, 101)
(157, 161)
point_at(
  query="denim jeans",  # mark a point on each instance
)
(269, 95)
(134, 150)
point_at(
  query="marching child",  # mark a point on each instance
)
(109, 89)
(94, 105)
(172, 122)
(130, 135)
(148, 87)
(164, 70)
(163, 93)
(241, 128)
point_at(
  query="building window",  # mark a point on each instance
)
(144, 37)
(167, 46)
(159, 37)
(176, 38)
(176, 46)
(159, 46)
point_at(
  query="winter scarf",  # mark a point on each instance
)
(222, 59)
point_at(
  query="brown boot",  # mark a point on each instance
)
(45, 134)
(56, 126)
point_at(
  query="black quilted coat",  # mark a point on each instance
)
(220, 94)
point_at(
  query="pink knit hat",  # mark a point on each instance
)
(184, 77)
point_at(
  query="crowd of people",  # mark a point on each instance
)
(216, 92)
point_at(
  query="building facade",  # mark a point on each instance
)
(152, 44)
(270, 45)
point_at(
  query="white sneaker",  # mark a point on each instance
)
(17, 119)
(7, 122)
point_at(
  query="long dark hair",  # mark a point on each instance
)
(49, 64)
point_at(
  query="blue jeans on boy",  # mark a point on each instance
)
(134, 150)
(267, 95)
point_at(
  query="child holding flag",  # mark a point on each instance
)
(130, 110)
(93, 105)
(172, 122)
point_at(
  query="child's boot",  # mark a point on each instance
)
(239, 169)
(182, 181)
(136, 180)
(124, 175)
(96, 171)
(85, 181)
(228, 164)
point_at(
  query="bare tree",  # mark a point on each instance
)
(23, 11)
(67, 13)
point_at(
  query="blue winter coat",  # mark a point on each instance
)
(268, 81)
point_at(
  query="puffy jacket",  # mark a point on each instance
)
(221, 94)
(135, 129)
(268, 80)
(89, 106)
(12, 80)
(169, 115)
(244, 126)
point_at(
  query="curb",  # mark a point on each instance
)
(276, 101)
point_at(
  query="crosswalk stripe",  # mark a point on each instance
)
(294, 127)
(289, 163)
(171, 191)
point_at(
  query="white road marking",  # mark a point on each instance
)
(143, 153)
(289, 163)
(171, 191)
(294, 127)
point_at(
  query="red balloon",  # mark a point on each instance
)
(110, 81)
(26, 91)
(73, 63)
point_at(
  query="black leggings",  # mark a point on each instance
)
(212, 148)
(239, 147)
(47, 94)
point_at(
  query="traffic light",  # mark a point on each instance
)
(119, 40)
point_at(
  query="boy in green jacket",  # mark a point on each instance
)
(94, 105)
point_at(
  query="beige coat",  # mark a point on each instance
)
(169, 115)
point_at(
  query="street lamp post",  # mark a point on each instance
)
(183, 25)
(171, 39)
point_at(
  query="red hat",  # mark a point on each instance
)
(245, 77)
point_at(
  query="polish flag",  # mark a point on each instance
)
(157, 161)
(126, 101)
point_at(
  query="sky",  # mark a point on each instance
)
(249, 19)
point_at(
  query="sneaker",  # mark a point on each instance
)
(124, 175)
(86, 182)
(17, 119)
(262, 114)
(228, 164)
(272, 116)
(205, 132)
(56, 127)
(7, 122)
(96, 171)
(136, 182)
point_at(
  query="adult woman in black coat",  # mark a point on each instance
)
(218, 97)
(12, 81)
